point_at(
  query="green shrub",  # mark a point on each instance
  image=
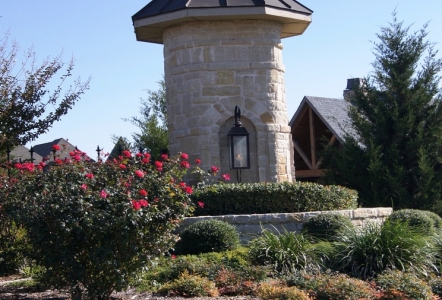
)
(370, 250)
(232, 282)
(95, 225)
(419, 219)
(189, 286)
(272, 290)
(259, 198)
(437, 220)
(436, 285)
(400, 286)
(208, 236)
(325, 286)
(13, 246)
(327, 225)
(284, 251)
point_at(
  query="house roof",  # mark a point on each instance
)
(157, 7)
(21, 153)
(151, 21)
(331, 111)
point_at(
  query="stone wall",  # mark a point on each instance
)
(249, 226)
(213, 66)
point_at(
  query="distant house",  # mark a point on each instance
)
(318, 120)
(42, 151)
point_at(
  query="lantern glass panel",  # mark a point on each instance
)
(240, 153)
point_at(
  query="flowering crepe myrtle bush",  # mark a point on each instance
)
(94, 225)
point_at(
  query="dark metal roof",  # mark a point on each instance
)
(332, 111)
(158, 7)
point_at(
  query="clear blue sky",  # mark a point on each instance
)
(99, 35)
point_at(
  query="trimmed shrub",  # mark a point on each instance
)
(327, 225)
(233, 282)
(208, 236)
(189, 286)
(365, 252)
(285, 251)
(437, 220)
(259, 198)
(325, 286)
(13, 246)
(399, 285)
(419, 219)
(274, 290)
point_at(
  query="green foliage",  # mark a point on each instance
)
(272, 290)
(436, 285)
(326, 286)
(97, 224)
(25, 99)
(419, 219)
(152, 122)
(365, 252)
(261, 198)
(394, 157)
(327, 225)
(208, 236)
(399, 285)
(233, 282)
(284, 251)
(13, 246)
(189, 286)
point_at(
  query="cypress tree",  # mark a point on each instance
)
(395, 157)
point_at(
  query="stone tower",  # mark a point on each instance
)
(219, 54)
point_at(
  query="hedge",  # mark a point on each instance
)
(262, 198)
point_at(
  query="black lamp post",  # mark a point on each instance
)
(239, 145)
(98, 153)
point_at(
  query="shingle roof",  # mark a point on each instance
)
(21, 153)
(157, 7)
(331, 111)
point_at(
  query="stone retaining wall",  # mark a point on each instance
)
(249, 226)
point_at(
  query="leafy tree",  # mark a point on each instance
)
(152, 122)
(395, 157)
(28, 107)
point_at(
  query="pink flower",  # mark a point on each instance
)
(83, 187)
(185, 164)
(122, 166)
(197, 161)
(143, 203)
(139, 173)
(156, 199)
(58, 161)
(184, 156)
(126, 154)
(164, 157)
(145, 161)
(89, 175)
(77, 157)
(226, 177)
(18, 166)
(136, 204)
(42, 164)
(214, 169)
(188, 190)
(139, 154)
(159, 166)
(200, 204)
(103, 194)
(71, 154)
(55, 147)
(182, 184)
(173, 256)
(147, 155)
(143, 193)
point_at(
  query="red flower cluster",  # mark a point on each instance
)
(126, 154)
(164, 157)
(184, 156)
(143, 193)
(185, 164)
(159, 166)
(139, 173)
(55, 147)
(27, 166)
(89, 175)
(214, 169)
(226, 177)
(137, 204)
(197, 161)
(103, 194)
(200, 204)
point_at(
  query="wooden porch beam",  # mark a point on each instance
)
(330, 142)
(303, 156)
(310, 173)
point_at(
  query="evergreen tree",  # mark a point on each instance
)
(152, 122)
(395, 159)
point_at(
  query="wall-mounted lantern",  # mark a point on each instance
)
(239, 144)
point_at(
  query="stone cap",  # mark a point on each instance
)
(151, 20)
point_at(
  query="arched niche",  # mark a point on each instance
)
(247, 175)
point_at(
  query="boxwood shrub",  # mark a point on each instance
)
(262, 198)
